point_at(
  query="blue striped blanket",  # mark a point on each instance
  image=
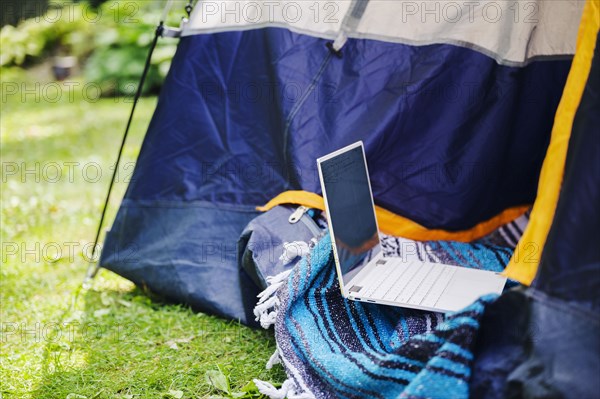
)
(331, 347)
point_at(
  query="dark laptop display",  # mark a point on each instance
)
(345, 180)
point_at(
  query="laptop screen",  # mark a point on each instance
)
(350, 207)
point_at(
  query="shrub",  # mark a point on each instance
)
(110, 41)
(52, 34)
(121, 49)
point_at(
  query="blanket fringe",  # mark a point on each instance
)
(266, 313)
(266, 308)
(274, 359)
(295, 249)
(288, 390)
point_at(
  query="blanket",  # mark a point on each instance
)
(331, 347)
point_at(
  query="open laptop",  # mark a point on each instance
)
(364, 273)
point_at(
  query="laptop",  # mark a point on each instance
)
(364, 273)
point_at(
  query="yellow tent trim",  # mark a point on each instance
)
(393, 224)
(525, 260)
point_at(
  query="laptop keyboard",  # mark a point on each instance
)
(415, 283)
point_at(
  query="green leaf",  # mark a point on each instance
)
(217, 379)
(177, 394)
(101, 312)
(250, 387)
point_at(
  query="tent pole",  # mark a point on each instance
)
(93, 267)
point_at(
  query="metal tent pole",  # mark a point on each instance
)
(161, 30)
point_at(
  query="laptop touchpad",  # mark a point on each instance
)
(467, 285)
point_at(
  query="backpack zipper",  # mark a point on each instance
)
(300, 214)
(297, 214)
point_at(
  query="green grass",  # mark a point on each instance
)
(112, 341)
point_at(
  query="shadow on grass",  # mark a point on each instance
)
(116, 344)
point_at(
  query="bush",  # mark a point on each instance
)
(111, 42)
(121, 49)
(35, 38)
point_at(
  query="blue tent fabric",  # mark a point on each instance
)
(452, 137)
(244, 115)
(185, 254)
(531, 345)
(576, 227)
(553, 348)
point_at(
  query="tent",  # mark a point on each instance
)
(455, 103)
(543, 341)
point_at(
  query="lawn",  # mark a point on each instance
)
(111, 341)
